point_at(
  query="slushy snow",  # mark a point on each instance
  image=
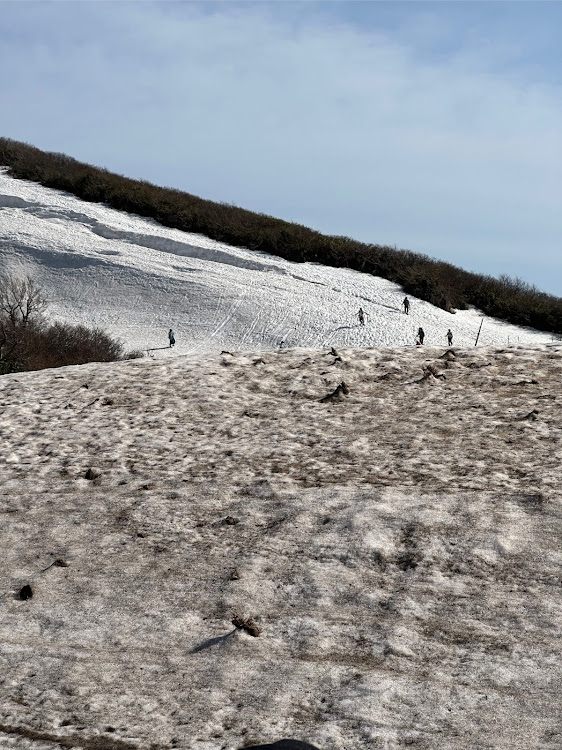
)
(398, 545)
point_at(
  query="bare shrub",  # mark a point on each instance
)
(21, 301)
(22, 304)
(28, 342)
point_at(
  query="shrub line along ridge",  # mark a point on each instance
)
(442, 284)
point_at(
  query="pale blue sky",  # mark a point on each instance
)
(433, 126)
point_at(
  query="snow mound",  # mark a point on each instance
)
(396, 547)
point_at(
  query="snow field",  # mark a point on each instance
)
(398, 546)
(137, 279)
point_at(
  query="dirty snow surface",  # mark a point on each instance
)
(137, 279)
(398, 546)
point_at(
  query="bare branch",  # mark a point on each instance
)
(22, 300)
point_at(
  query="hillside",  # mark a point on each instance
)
(437, 282)
(136, 279)
(398, 547)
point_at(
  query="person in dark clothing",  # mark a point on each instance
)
(421, 334)
(450, 337)
(361, 315)
(406, 304)
(171, 337)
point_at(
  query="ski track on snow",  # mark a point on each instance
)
(137, 279)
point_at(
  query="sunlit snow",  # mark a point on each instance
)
(138, 279)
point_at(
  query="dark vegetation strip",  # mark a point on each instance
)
(440, 283)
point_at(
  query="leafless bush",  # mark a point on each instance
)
(21, 301)
(28, 342)
(22, 304)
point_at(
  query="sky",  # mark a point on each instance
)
(431, 126)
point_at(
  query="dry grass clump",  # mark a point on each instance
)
(247, 624)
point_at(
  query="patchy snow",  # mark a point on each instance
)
(137, 279)
(399, 547)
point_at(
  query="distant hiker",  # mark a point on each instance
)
(450, 337)
(361, 315)
(421, 334)
(171, 337)
(406, 304)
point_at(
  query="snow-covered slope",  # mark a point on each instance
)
(399, 549)
(398, 545)
(137, 279)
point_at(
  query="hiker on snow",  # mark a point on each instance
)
(450, 337)
(361, 315)
(421, 334)
(171, 337)
(406, 304)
